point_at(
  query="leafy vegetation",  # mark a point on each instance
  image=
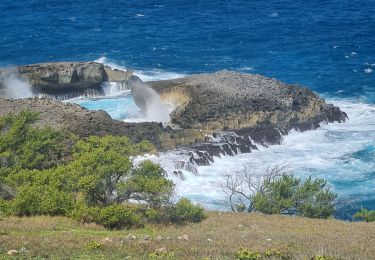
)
(184, 211)
(243, 254)
(48, 172)
(277, 192)
(366, 215)
(290, 195)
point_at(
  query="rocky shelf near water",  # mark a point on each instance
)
(226, 113)
(223, 113)
(69, 79)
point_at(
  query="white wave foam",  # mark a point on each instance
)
(274, 14)
(112, 89)
(144, 75)
(327, 152)
(154, 75)
(12, 86)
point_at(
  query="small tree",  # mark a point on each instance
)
(290, 195)
(102, 164)
(240, 186)
(185, 211)
(277, 192)
(147, 184)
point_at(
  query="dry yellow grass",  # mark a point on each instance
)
(218, 237)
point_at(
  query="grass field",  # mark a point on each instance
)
(217, 237)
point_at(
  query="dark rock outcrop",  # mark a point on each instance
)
(68, 78)
(227, 113)
(81, 121)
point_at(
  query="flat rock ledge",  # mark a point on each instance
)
(227, 113)
(67, 78)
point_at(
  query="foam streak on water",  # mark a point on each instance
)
(343, 154)
(144, 75)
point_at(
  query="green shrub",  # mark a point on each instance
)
(25, 147)
(290, 195)
(152, 215)
(243, 254)
(5, 208)
(93, 245)
(366, 215)
(185, 211)
(84, 213)
(276, 253)
(41, 200)
(149, 185)
(48, 172)
(101, 165)
(118, 216)
(115, 216)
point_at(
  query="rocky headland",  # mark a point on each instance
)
(223, 113)
(68, 79)
(229, 112)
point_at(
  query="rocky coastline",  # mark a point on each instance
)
(223, 113)
(227, 113)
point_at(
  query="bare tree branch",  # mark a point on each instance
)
(240, 186)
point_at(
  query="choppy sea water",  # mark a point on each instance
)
(325, 45)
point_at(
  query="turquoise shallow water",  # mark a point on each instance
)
(119, 108)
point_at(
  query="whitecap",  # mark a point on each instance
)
(144, 75)
(274, 14)
(325, 153)
(246, 69)
(368, 70)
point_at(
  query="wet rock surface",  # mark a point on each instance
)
(68, 78)
(227, 113)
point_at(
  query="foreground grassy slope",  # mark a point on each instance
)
(217, 237)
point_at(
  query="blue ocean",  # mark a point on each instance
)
(328, 46)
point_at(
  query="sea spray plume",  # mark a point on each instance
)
(148, 101)
(13, 86)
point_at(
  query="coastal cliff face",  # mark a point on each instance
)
(226, 113)
(63, 78)
(231, 100)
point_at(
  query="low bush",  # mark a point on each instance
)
(93, 245)
(84, 213)
(366, 215)
(5, 208)
(115, 216)
(118, 216)
(291, 195)
(243, 254)
(41, 200)
(185, 211)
